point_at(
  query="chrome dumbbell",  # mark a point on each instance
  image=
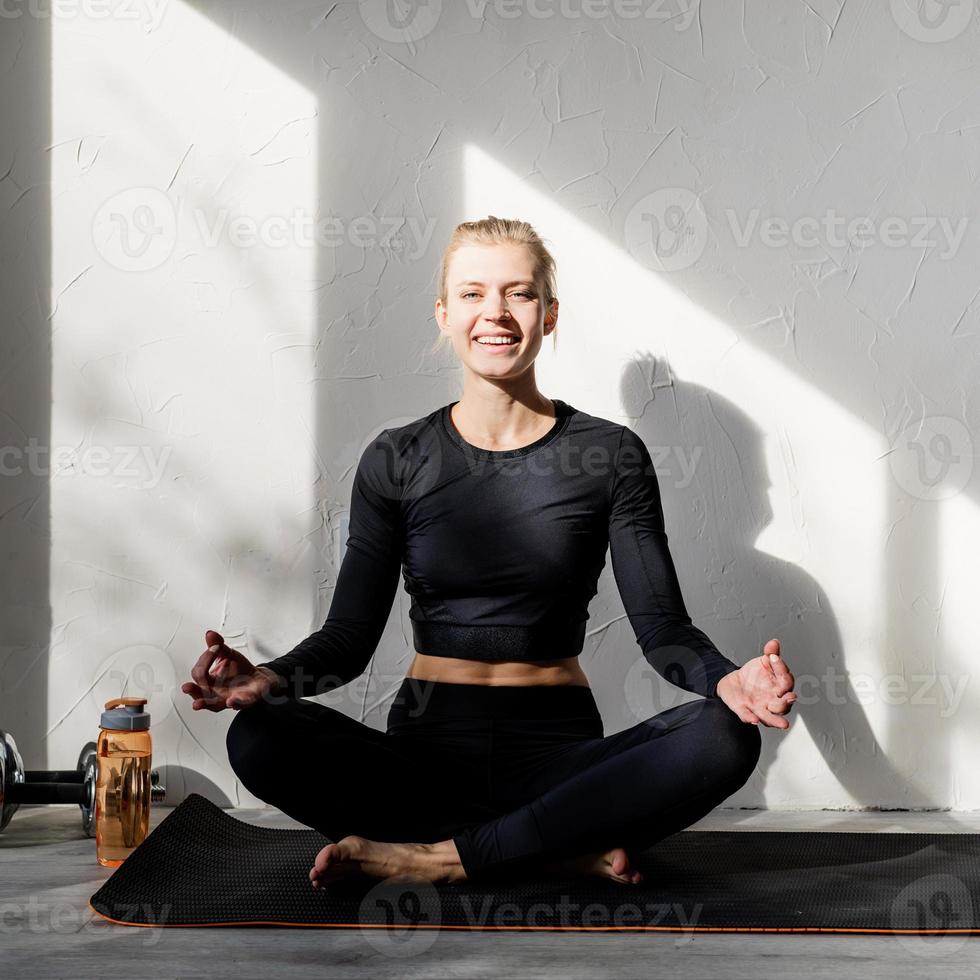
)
(55, 785)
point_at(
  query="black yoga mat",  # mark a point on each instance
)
(203, 867)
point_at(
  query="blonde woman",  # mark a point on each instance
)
(498, 510)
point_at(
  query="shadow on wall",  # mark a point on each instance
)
(25, 491)
(762, 595)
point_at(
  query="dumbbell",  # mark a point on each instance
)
(54, 785)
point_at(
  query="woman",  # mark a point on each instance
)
(499, 509)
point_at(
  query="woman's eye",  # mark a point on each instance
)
(522, 293)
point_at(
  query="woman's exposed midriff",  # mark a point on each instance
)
(497, 672)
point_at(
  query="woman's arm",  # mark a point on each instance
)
(340, 650)
(647, 579)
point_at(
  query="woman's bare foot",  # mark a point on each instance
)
(614, 863)
(379, 859)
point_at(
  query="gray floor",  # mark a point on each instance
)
(48, 872)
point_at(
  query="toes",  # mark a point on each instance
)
(630, 878)
(620, 862)
(620, 866)
(330, 862)
(337, 860)
(323, 860)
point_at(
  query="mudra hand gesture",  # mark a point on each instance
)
(226, 678)
(760, 691)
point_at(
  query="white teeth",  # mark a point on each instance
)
(496, 340)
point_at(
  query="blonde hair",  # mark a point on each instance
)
(501, 231)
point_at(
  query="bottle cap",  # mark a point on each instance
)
(125, 714)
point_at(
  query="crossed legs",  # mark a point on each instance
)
(498, 811)
(631, 789)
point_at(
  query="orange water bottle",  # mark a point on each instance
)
(124, 789)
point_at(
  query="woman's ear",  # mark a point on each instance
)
(551, 317)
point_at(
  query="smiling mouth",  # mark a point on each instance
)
(495, 344)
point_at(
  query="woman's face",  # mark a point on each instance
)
(490, 289)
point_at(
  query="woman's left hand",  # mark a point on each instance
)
(760, 691)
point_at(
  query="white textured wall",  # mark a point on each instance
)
(206, 369)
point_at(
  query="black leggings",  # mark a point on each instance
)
(516, 776)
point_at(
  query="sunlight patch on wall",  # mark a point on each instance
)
(788, 489)
(184, 172)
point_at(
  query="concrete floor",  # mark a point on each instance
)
(48, 872)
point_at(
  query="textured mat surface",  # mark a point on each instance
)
(203, 867)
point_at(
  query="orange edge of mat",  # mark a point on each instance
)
(516, 928)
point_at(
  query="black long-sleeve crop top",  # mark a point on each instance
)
(501, 553)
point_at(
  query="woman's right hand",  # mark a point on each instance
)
(225, 678)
